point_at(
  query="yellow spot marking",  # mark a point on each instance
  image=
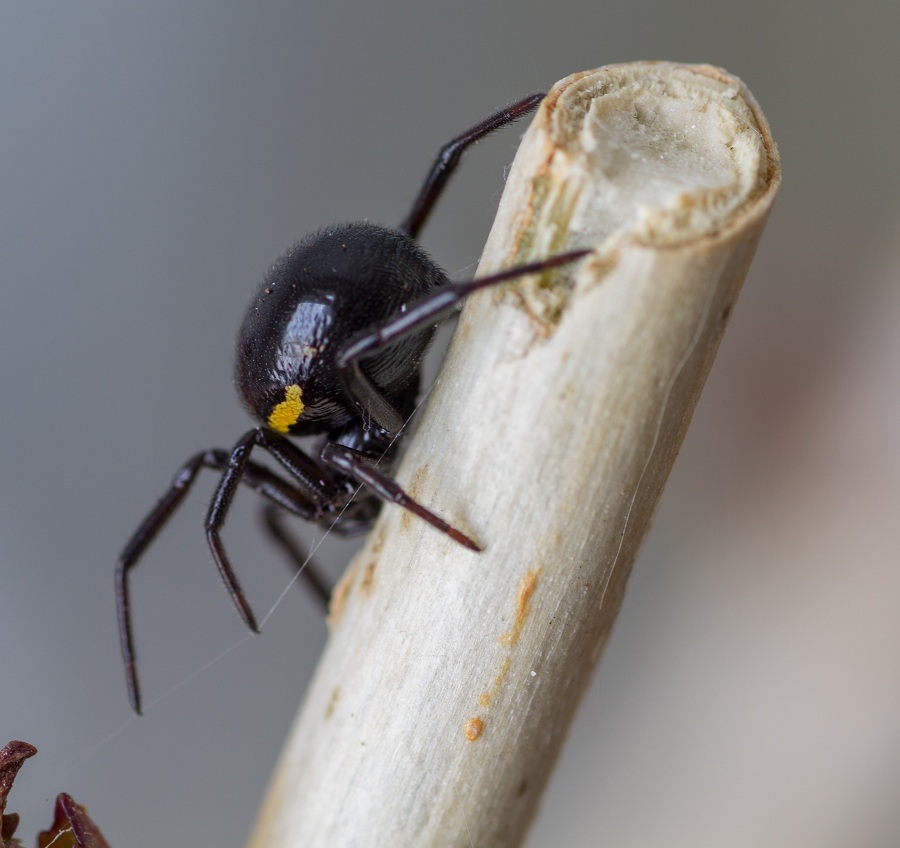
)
(286, 413)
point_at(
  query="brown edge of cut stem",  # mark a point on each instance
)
(450, 678)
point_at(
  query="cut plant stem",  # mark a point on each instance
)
(451, 677)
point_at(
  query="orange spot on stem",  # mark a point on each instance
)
(474, 726)
(527, 585)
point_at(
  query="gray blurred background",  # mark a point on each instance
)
(157, 156)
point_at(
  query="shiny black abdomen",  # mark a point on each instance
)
(314, 299)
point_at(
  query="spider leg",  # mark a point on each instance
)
(357, 466)
(307, 473)
(449, 156)
(257, 477)
(299, 558)
(431, 308)
(424, 312)
(370, 401)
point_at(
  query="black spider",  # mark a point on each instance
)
(331, 345)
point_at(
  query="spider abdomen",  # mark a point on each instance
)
(323, 291)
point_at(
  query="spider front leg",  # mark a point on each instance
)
(356, 465)
(304, 470)
(421, 314)
(448, 158)
(257, 477)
